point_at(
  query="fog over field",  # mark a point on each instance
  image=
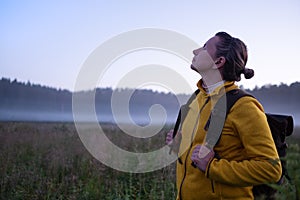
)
(29, 102)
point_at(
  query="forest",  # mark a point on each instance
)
(21, 101)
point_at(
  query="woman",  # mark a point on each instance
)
(245, 154)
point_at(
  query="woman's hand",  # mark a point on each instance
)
(201, 156)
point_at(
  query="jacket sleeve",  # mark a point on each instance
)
(262, 164)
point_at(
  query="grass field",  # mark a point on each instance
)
(48, 161)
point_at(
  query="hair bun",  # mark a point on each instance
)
(248, 73)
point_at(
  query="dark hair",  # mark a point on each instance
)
(235, 53)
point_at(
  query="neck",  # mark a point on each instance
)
(211, 78)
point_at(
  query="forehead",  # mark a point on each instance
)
(212, 42)
(211, 47)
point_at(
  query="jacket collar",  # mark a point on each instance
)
(227, 86)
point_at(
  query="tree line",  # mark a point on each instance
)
(18, 96)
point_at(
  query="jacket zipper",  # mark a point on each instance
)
(212, 186)
(185, 160)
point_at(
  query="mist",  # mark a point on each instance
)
(29, 102)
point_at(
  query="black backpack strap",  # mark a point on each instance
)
(231, 97)
(183, 112)
(219, 113)
(234, 95)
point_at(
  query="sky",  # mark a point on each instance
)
(47, 42)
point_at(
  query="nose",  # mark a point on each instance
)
(196, 51)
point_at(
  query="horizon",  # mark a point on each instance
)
(18, 105)
(146, 89)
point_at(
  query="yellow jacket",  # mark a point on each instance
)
(247, 153)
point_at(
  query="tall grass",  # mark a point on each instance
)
(291, 189)
(48, 161)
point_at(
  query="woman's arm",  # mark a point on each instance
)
(262, 164)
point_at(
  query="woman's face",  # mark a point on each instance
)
(204, 56)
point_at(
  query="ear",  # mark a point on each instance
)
(220, 62)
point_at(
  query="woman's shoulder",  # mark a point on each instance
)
(247, 104)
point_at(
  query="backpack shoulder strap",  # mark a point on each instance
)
(215, 122)
(233, 95)
(183, 112)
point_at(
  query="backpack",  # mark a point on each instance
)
(281, 126)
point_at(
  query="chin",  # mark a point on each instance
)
(193, 68)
